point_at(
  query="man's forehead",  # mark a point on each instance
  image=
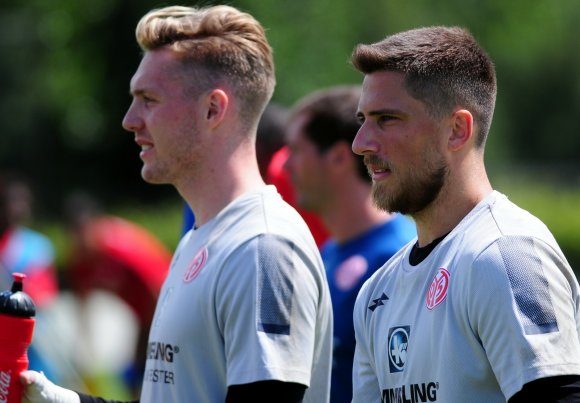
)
(383, 79)
(154, 66)
(382, 87)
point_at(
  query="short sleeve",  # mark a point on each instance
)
(524, 309)
(268, 312)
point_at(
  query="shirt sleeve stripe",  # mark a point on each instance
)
(275, 288)
(529, 285)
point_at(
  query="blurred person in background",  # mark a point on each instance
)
(25, 250)
(113, 254)
(483, 307)
(244, 314)
(271, 135)
(333, 182)
(278, 176)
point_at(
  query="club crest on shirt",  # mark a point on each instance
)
(437, 291)
(197, 263)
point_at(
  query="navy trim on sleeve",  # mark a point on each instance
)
(274, 288)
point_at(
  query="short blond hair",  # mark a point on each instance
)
(220, 44)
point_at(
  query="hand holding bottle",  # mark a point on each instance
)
(38, 389)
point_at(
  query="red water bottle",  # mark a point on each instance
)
(16, 326)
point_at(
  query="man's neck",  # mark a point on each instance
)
(447, 211)
(218, 187)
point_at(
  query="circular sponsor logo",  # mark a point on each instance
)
(196, 265)
(437, 291)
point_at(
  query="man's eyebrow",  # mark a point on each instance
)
(386, 112)
(381, 112)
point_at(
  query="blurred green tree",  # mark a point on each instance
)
(66, 68)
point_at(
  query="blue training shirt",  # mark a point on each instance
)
(348, 266)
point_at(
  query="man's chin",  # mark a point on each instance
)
(151, 178)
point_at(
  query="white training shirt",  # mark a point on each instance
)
(494, 306)
(246, 299)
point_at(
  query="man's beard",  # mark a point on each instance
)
(416, 192)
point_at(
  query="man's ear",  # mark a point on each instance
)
(461, 129)
(217, 102)
(340, 154)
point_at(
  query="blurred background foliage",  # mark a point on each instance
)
(66, 66)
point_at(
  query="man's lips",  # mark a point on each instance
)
(145, 145)
(377, 169)
(379, 173)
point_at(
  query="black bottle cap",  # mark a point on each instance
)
(16, 302)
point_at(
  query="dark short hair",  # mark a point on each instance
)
(444, 67)
(331, 118)
(271, 134)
